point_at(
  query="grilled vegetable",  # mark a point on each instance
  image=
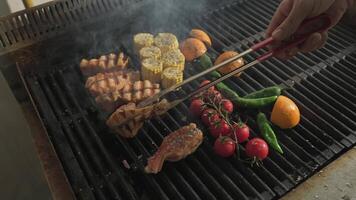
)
(224, 146)
(257, 149)
(166, 42)
(173, 58)
(142, 40)
(151, 70)
(227, 106)
(285, 113)
(205, 82)
(219, 128)
(267, 132)
(241, 131)
(266, 92)
(209, 116)
(192, 48)
(171, 76)
(231, 66)
(150, 52)
(206, 63)
(200, 35)
(197, 107)
(242, 102)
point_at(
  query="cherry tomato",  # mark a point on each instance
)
(210, 116)
(242, 132)
(224, 146)
(206, 82)
(212, 96)
(219, 128)
(227, 105)
(197, 107)
(257, 148)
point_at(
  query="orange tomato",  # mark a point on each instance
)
(285, 113)
(192, 48)
(200, 35)
(231, 66)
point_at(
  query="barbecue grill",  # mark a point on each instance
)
(46, 43)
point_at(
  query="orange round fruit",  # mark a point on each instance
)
(285, 113)
(192, 48)
(231, 66)
(201, 35)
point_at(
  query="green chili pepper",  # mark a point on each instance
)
(267, 92)
(227, 92)
(255, 103)
(267, 132)
(243, 102)
(206, 63)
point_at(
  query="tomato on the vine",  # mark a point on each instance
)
(241, 131)
(205, 82)
(209, 116)
(212, 96)
(224, 146)
(257, 148)
(219, 128)
(197, 107)
(227, 106)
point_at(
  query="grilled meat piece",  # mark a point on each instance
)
(128, 119)
(175, 146)
(132, 92)
(104, 83)
(106, 63)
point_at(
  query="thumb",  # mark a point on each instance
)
(297, 14)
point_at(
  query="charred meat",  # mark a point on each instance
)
(128, 119)
(106, 63)
(131, 92)
(103, 83)
(175, 146)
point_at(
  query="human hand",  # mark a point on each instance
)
(291, 13)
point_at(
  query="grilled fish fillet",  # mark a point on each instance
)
(118, 121)
(103, 83)
(132, 92)
(106, 63)
(175, 146)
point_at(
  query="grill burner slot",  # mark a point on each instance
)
(323, 86)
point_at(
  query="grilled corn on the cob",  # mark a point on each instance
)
(143, 40)
(150, 52)
(166, 42)
(173, 58)
(151, 70)
(171, 76)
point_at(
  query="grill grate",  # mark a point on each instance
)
(322, 84)
(28, 27)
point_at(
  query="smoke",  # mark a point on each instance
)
(169, 15)
(113, 32)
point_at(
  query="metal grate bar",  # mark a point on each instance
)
(78, 182)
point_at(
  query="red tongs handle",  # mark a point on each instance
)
(309, 26)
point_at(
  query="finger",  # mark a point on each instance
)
(286, 54)
(279, 16)
(297, 14)
(324, 38)
(337, 11)
(312, 43)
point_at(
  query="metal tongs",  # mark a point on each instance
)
(316, 24)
